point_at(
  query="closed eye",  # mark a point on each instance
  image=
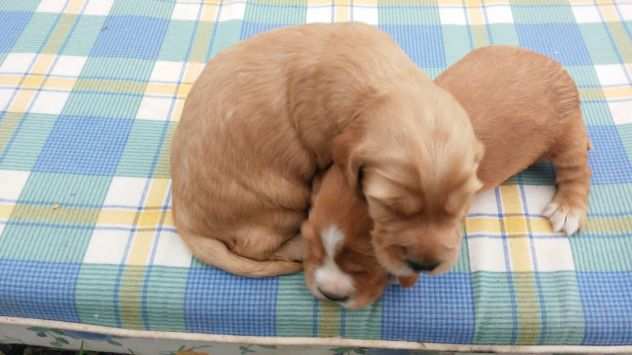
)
(387, 204)
(401, 207)
(347, 263)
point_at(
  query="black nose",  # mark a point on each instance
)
(332, 297)
(419, 266)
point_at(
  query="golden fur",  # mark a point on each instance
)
(535, 114)
(523, 107)
(419, 190)
(267, 114)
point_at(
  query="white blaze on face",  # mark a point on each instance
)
(329, 277)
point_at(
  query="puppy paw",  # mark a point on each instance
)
(408, 281)
(403, 281)
(564, 218)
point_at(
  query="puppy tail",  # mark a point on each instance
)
(215, 253)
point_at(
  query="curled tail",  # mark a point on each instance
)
(215, 253)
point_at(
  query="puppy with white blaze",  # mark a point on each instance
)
(339, 261)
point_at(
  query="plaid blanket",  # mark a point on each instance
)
(90, 93)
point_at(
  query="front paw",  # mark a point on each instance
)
(565, 218)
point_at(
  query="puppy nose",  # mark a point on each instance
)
(332, 297)
(419, 266)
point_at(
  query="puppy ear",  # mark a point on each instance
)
(346, 154)
(307, 230)
(479, 154)
(316, 182)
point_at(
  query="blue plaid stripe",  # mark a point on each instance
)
(217, 302)
(12, 24)
(610, 162)
(437, 309)
(130, 36)
(424, 44)
(607, 314)
(41, 290)
(563, 43)
(84, 145)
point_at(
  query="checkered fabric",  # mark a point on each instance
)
(90, 93)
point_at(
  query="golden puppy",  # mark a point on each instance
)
(267, 114)
(523, 106)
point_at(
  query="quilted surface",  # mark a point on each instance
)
(90, 93)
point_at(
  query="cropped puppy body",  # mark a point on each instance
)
(524, 107)
(267, 114)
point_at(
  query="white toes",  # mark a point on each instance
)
(558, 219)
(563, 219)
(573, 220)
(550, 209)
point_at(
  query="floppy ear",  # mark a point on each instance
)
(346, 154)
(316, 182)
(478, 157)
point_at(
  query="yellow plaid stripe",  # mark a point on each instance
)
(521, 263)
(139, 253)
(29, 85)
(329, 319)
(5, 211)
(33, 82)
(130, 296)
(7, 126)
(342, 10)
(616, 27)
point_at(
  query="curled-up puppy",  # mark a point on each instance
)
(523, 106)
(268, 113)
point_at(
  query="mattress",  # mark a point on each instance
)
(90, 94)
